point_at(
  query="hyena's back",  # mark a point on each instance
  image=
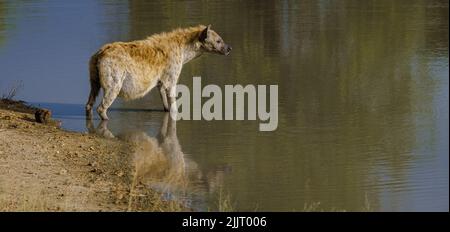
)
(122, 67)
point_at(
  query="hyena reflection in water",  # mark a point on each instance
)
(159, 163)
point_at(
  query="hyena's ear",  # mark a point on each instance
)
(204, 34)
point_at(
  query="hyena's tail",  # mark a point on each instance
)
(95, 84)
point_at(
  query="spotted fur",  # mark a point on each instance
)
(131, 69)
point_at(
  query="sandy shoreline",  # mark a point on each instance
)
(45, 168)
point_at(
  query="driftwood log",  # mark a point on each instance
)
(43, 115)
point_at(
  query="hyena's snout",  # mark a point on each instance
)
(226, 49)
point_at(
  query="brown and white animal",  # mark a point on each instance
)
(131, 69)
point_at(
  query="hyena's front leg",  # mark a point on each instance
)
(163, 93)
(171, 94)
(169, 83)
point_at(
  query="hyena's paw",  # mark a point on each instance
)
(102, 113)
(88, 112)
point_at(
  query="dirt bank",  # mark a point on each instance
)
(44, 168)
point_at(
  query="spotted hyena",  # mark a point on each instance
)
(131, 69)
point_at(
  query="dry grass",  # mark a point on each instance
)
(224, 203)
(33, 201)
(367, 206)
(12, 91)
(316, 207)
(38, 201)
(141, 198)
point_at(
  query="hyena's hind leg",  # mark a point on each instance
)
(95, 86)
(95, 89)
(109, 95)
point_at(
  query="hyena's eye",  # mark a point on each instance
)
(218, 41)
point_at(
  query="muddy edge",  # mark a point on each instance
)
(45, 168)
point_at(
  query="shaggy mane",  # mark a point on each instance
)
(178, 35)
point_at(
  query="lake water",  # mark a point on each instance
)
(363, 96)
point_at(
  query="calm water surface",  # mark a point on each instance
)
(363, 97)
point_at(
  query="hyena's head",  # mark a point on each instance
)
(212, 42)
